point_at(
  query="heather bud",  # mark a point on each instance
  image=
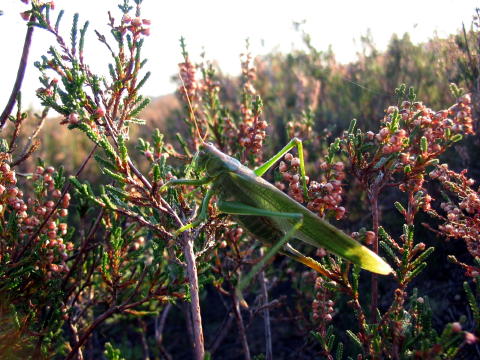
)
(99, 112)
(456, 327)
(73, 118)
(369, 237)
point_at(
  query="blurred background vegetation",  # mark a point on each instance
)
(335, 93)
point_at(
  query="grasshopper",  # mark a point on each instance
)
(268, 214)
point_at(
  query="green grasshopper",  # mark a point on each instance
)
(268, 214)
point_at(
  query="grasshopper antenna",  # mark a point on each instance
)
(202, 139)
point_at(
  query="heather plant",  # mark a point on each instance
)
(111, 269)
(86, 265)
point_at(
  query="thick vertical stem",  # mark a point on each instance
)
(76, 339)
(198, 342)
(241, 327)
(266, 315)
(375, 223)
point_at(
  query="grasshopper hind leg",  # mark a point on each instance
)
(291, 252)
(240, 209)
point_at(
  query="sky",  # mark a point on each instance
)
(220, 28)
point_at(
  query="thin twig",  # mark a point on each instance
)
(241, 326)
(222, 333)
(160, 322)
(100, 319)
(145, 349)
(83, 248)
(266, 314)
(27, 150)
(20, 74)
(373, 197)
(65, 190)
(27, 154)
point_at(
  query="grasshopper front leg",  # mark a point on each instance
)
(177, 182)
(203, 214)
(295, 142)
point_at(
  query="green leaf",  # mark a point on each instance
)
(400, 208)
(472, 301)
(74, 31)
(116, 191)
(423, 144)
(339, 352)
(139, 108)
(122, 148)
(352, 126)
(330, 341)
(143, 81)
(82, 37)
(423, 256)
(107, 147)
(115, 175)
(416, 271)
(456, 137)
(389, 251)
(105, 163)
(355, 339)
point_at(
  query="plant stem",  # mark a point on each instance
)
(20, 74)
(241, 326)
(99, 320)
(160, 322)
(198, 342)
(266, 314)
(76, 339)
(222, 333)
(373, 197)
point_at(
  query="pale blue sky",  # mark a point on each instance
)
(221, 27)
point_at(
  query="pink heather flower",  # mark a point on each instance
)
(339, 166)
(149, 155)
(470, 339)
(25, 15)
(137, 22)
(5, 168)
(99, 112)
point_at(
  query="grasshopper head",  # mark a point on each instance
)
(213, 161)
